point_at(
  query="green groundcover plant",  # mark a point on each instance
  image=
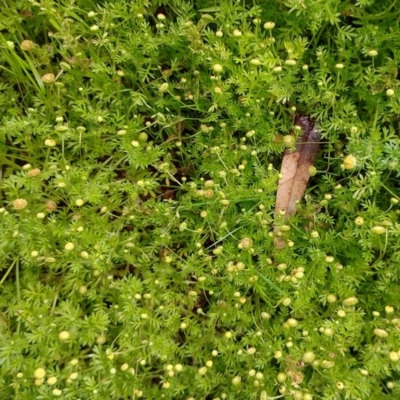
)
(140, 152)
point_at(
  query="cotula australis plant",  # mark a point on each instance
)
(141, 145)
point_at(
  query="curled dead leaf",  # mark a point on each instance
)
(295, 171)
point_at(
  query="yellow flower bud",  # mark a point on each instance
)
(381, 333)
(350, 301)
(163, 88)
(308, 357)
(269, 25)
(218, 68)
(349, 162)
(236, 380)
(52, 380)
(379, 230)
(64, 336)
(359, 221)
(39, 373)
(389, 92)
(50, 142)
(69, 246)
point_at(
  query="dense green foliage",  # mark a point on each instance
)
(140, 150)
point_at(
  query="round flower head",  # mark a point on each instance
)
(51, 206)
(379, 230)
(50, 142)
(308, 357)
(269, 25)
(34, 172)
(202, 371)
(288, 140)
(389, 92)
(331, 298)
(236, 380)
(349, 162)
(19, 204)
(48, 78)
(292, 322)
(27, 45)
(69, 246)
(218, 68)
(39, 373)
(359, 221)
(64, 336)
(52, 380)
(101, 339)
(350, 301)
(381, 333)
(389, 309)
(245, 243)
(286, 301)
(74, 376)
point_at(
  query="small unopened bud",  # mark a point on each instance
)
(218, 68)
(64, 336)
(381, 333)
(390, 92)
(350, 301)
(163, 88)
(308, 357)
(379, 230)
(269, 25)
(236, 380)
(50, 142)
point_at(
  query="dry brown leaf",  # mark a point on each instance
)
(295, 170)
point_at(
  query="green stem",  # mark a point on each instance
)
(8, 271)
